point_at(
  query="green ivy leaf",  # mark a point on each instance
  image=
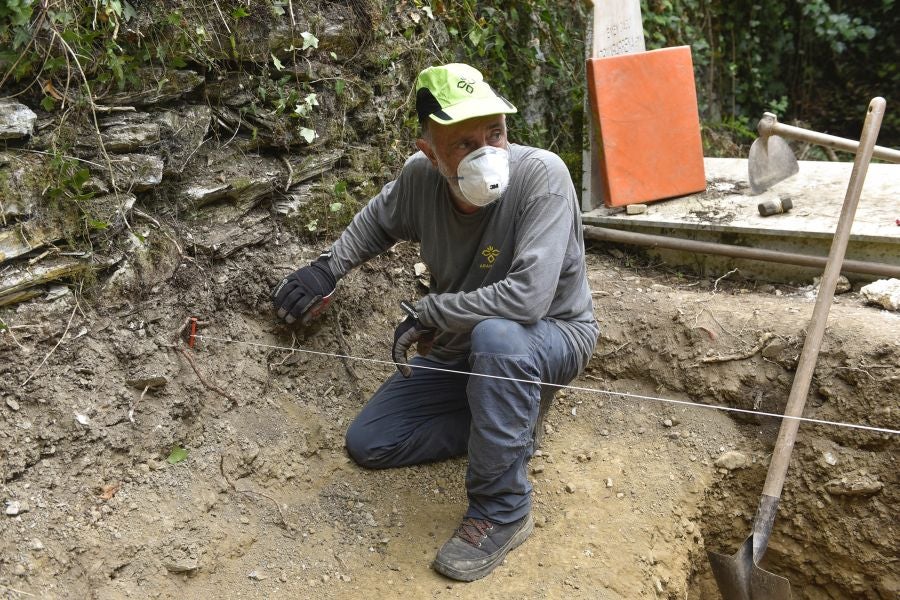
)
(177, 455)
(128, 11)
(309, 40)
(308, 134)
(277, 63)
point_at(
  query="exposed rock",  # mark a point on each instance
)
(884, 292)
(16, 120)
(774, 349)
(147, 381)
(311, 165)
(137, 172)
(731, 460)
(635, 209)
(854, 485)
(232, 89)
(22, 178)
(226, 239)
(182, 558)
(841, 286)
(235, 189)
(16, 507)
(183, 131)
(186, 565)
(127, 132)
(290, 202)
(23, 238)
(23, 278)
(158, 86)
(242, 191)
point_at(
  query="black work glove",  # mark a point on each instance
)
(306, 292)
(410, 332)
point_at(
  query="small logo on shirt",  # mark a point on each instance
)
(491, 254)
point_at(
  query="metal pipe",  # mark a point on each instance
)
(776, 256)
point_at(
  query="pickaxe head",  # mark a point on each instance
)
(771, 159)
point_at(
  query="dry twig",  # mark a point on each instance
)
(613, 351)
(58, 342)
(134, 405)
(345, 348)
(284, 521)
(15, 591)
(205, 383)
(716, 284)
(763, 340)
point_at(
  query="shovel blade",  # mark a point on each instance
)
(739, 578)
(771, 160)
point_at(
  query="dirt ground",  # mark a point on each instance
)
(266, 503)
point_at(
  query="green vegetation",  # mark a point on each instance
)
(289, 86)
(816, 61)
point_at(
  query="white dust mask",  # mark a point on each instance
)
(483, 175)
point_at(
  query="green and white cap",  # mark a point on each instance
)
(455, 92)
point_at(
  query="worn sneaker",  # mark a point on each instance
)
(478, 546)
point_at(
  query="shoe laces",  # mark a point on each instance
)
(473, 531)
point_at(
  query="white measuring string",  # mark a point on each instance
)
(556, 385)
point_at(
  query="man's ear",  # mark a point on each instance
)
(423, 145)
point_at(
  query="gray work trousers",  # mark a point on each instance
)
(436, 414)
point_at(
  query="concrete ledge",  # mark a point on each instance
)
(727, 213)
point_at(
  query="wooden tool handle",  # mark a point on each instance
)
(781, 456)
(769, 125)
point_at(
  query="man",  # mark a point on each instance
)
(509, 306)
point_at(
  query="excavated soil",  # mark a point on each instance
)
(266, 504)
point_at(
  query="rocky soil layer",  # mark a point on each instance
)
(126, 474)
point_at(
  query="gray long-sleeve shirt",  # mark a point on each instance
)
(520, 258)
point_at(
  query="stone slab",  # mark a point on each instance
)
(817, 193)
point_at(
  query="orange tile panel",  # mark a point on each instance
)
(645, 108)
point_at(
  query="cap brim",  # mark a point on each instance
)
(470, 109)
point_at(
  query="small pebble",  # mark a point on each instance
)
(668, 422)
(635, 209)
(570, 488)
